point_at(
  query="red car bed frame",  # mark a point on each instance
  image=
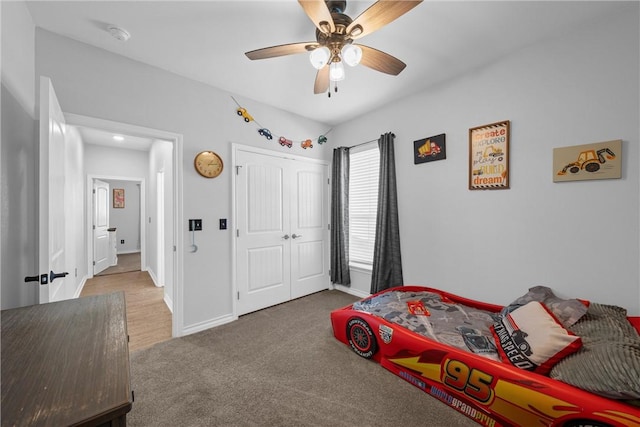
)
(489, 392)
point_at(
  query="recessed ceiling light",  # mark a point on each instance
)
(118, 33)
(118, 138)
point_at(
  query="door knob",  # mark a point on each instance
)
(296, 236)
(285, 237)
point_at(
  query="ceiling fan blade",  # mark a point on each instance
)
(380, 61)
(378, 15)
(322, 80)
(319, 14)
(281, 50)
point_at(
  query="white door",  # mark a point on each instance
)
(101, 243)
(263, 248)
(281, 229)
(309, 230)
(51, 239)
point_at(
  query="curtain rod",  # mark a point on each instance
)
(362, 143)
(366, 142)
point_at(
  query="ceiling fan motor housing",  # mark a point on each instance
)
(336, 40)
(336, 6)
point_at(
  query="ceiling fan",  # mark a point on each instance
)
(335, 34)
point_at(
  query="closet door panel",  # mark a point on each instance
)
(309, 219)
(263, 251)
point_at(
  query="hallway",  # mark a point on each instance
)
(148, 318)
(126, 263)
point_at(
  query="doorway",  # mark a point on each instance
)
(118, 226)
(165, 152)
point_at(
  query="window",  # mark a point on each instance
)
(363, 203)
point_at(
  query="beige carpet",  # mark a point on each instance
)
(277, 367)
(126, 263)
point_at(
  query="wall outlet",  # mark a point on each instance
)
(122, 242)
(223, 223)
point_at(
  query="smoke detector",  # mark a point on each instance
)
(118, 33)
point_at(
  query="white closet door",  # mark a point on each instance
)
(309, 212)
(263, 249)
(282, 235)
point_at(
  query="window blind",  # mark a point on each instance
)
(363, 202)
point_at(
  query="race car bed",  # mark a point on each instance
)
(540, 361)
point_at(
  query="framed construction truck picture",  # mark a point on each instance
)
(601, 160)
(489, 156)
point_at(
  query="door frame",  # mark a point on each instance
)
(235, 147)
(90, 212)
(177, 322)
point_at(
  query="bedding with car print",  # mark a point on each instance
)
(541, 360)
(428, 314)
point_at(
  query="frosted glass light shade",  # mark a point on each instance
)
(336, 71)
(351, 55)
(319, 57)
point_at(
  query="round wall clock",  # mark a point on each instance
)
(208, 164)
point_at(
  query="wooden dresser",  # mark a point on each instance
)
(66, 363)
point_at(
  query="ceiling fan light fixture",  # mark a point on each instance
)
(336, 71)
(320, 57)
(351, 55)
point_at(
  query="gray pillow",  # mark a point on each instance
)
(608, 364)
(567, 311)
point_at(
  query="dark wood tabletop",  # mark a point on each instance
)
(66, 363)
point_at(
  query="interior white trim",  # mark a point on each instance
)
(235, 147)
(143, 234)
(178, 234)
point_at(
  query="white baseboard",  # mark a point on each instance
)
(208, 324)
(348, 290)
(169, 302)
(154, 279)
(135, 251)
(80, 287)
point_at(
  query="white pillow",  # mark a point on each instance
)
(531, 338)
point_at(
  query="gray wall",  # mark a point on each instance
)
(579, 238)
(19, 157)
(131, 92)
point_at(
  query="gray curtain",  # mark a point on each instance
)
(340, 217)
(387, 262)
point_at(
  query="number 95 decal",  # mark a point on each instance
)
(474, 383)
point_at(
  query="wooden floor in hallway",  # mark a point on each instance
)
(148, 317)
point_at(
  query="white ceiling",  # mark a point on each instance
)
(206, 41)
(101, 137)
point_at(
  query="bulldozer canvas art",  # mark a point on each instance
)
(601, 160)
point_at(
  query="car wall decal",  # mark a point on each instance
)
(283, 141)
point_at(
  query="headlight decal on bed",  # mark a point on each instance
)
(386, 333)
